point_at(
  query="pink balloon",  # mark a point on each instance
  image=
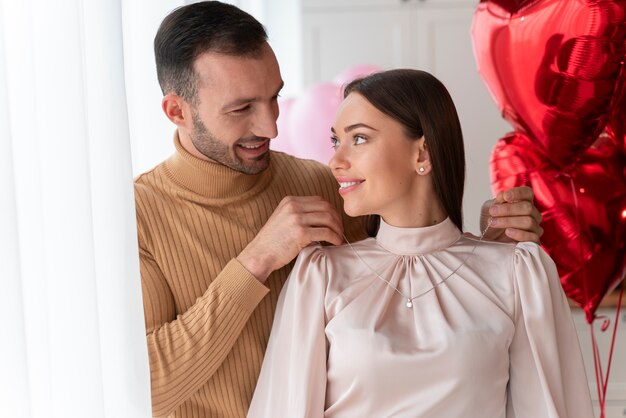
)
(282, 142)
(310, 120)
(354, 72)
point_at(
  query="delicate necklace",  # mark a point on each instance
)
(410, 299)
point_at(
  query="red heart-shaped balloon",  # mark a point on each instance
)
(552, 67)
(616, 128)
(584, 212)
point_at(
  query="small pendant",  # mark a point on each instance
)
(409, 304)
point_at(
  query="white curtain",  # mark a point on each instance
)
(72, 342)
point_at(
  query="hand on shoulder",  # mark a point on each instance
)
(513, 215)
(296, 222)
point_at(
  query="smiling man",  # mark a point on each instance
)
(237, 97)
(222, 219)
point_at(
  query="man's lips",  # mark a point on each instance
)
(254, 149)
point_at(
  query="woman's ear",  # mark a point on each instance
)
(422, 160)
(177, 110)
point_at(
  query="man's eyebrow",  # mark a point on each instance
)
(243, 100)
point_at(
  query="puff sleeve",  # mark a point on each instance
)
(292, 382)
(547, 374)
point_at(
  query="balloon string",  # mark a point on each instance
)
(602, 382)
(598, 369)
(608, 366)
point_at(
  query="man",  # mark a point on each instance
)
(220, 221)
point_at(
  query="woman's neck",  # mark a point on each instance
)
(419, 217)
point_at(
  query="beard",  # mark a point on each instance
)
(211, 147)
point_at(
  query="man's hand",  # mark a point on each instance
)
(514, 216)
(295, 223)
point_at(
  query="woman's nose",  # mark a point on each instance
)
(338, 160)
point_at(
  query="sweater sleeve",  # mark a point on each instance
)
(547, 374)
(186, 350)
(292, 382)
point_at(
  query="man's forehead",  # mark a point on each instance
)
(228, 66)
(235, 76)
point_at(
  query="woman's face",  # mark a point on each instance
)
(375, 163)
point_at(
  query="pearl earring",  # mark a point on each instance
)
(421, 169)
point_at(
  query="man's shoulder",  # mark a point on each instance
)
(150, 181)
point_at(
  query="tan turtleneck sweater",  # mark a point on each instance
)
(207, 318)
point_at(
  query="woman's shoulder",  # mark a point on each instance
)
(515, 257)
(532, 262)
(350, 254)
(331, 270)
(333, 258)
(501, 268)
(491, 254)
(350, 263)
(500, 252)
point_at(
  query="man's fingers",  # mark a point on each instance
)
(322, 219)
(521, 208)
(521, 235)
(324, 234)
(536, 215)
(306, 205)
(513, 212)
(516, 194)
(288, 199)
(526, 223)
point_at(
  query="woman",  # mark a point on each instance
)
(419, 320)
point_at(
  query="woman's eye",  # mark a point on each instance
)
(334, 141)
(358, 140)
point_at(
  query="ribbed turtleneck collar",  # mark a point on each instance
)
(210, 178)
(422, 240)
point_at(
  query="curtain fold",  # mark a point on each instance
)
(76, 340)
(13, 364)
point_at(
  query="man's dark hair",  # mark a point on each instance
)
(422, 104)
(189, 31)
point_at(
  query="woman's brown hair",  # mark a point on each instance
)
(422, 104)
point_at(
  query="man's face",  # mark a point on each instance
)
(236, 109)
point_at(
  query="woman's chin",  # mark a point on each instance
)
(354, 212)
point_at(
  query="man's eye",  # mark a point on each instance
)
(241, 109)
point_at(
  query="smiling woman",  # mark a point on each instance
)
(372, 178)
(73, 340)
(418, 320)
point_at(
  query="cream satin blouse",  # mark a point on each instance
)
(495, 339)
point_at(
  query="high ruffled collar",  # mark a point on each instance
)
(211, 179)
(411, 241)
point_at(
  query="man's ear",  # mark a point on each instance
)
(177, 110)
(422, 157)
